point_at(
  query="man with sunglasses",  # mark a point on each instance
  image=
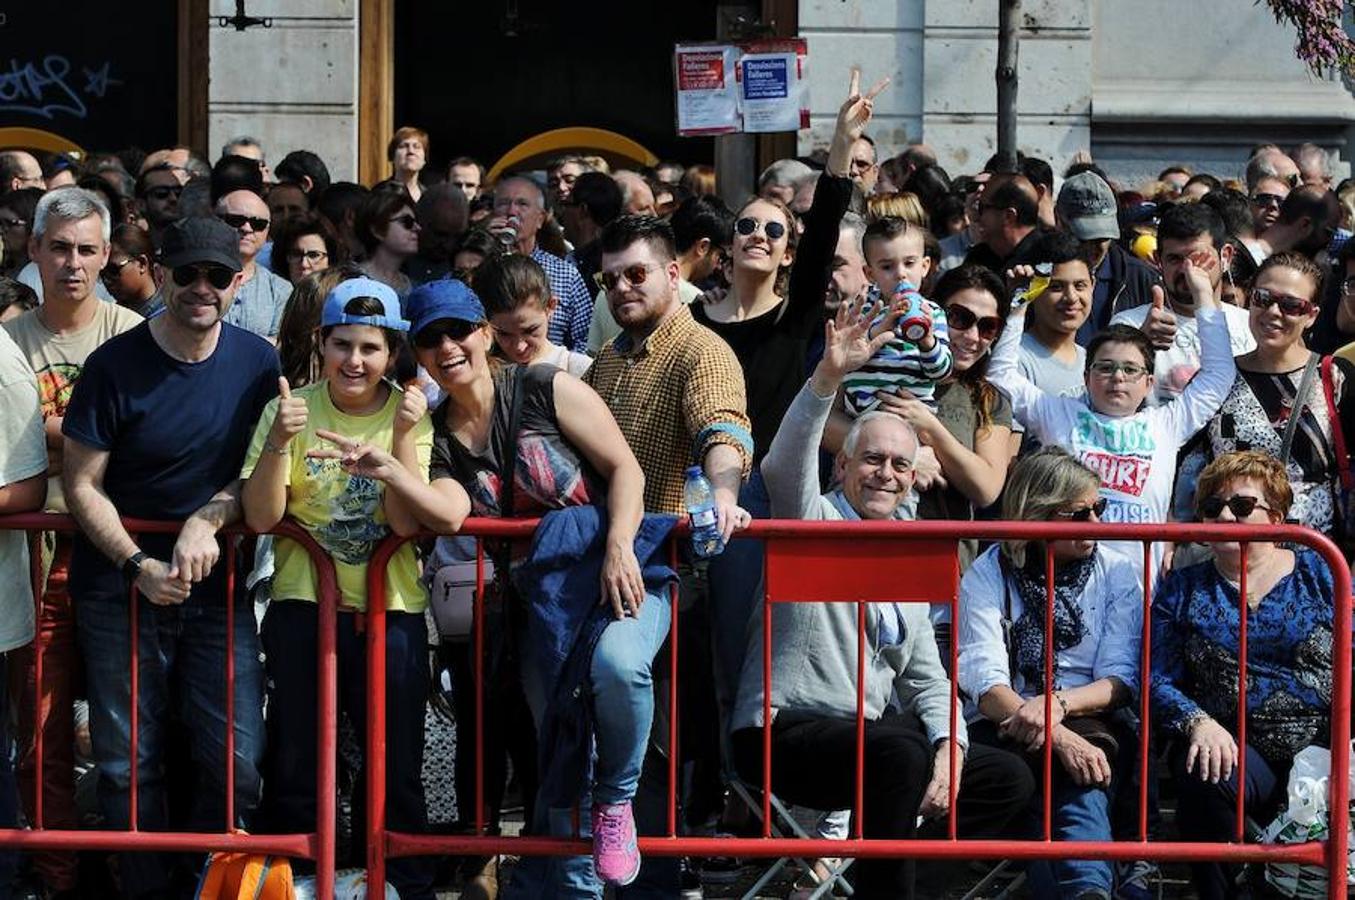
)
(261, 295)
(69, 246)
(157, 191)
(1191, 232)
(1307, 219)
(157, 429)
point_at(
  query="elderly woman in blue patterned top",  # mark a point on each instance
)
(1194, 683)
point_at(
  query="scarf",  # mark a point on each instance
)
(1070, 628)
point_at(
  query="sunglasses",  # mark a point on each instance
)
(431, 336)
(307, 255)
(238, 221)
(163, 193)
(1262, 298)
(1240, 506)
(635, 276)
(1085, 513)
(218, 277)
(111, 271)
(406, 221)
(1267, 199)
(6, 222)
(961, 318)
(748, 225)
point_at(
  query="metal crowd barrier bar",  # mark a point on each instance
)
(318, 845)
(864, 562)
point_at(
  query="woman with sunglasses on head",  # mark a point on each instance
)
(1195, 665)
(389, 232)
(347, 457)
(1098, 621)
(567, 452)
(1278, 401)
(305, 244)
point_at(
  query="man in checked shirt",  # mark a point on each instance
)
(677, 391)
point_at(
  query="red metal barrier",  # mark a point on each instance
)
(318, 845)
(873, 562)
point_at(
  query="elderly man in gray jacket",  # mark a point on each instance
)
(813, 703)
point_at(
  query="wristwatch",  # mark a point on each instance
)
(132, 567)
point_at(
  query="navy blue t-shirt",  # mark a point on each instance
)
(176, 433)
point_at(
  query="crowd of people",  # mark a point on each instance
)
(860, 339)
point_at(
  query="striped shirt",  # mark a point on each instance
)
(675, 395)
(569, 324)
(901, 364)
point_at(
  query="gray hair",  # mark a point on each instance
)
(71, 204)
(854, 433)
(1306, 155)
(244, 140)
(1040, 484)
(856, 224)
(1261, 166)
(783, 173)
(525, 179)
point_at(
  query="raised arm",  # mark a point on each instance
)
(1204, 395)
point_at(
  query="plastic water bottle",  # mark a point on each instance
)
(699, 498)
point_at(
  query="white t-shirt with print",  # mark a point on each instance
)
(1175, 366)
(23, 454)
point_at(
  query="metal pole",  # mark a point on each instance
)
(1009, 15)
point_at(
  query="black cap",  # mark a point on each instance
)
(200, 239)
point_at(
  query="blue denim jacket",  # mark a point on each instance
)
(560, 582)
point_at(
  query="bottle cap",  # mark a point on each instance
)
(693, 471)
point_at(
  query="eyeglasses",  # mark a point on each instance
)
(430, 337)
(218, 277)
(164, 192)
(1267, 199)
(238, 221)
(962, 318)
(1085, 513)
(1263, 298)
(1239, 505)
(1107, 368)
(748, 225)
(862, 165)
(307, 255)
(111, 271)
(635, 276)
(406, 221)
(6, 222)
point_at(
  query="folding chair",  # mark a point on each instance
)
(786, 824)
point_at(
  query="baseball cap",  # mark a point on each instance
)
(1088, 206)
(333, 311)
(446, 298)
(200, 239)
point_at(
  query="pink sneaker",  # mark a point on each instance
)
(615, 853)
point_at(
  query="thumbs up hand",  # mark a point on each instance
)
(1160, 324)
(290, 418)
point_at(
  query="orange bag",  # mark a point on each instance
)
(246, 876)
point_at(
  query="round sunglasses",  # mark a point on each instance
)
(748, 225)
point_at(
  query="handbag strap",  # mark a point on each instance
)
(1338, 436)
(1300, 401)
(508, 462)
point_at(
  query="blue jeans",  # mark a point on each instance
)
(623, 710)
(182, 662)
(1080, 814)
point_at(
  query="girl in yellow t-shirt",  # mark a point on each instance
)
(347, 458)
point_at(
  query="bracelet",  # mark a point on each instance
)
(270, 447)
(1062, 703)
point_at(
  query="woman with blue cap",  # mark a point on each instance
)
(528, 440)
(347, 457)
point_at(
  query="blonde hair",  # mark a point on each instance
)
(902, 204)
(1041, 484)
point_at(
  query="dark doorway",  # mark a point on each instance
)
(481, 77)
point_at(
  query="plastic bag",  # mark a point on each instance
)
(1304, 819)
(349, 884)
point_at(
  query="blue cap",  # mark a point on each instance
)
(446, 298)
(345, 291)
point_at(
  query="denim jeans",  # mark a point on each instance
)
(181, 663)
(623, 707)
(289, 636)
(1080, 814)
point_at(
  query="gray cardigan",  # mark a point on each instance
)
(814, 644)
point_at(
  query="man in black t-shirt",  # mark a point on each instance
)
(157, 429)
